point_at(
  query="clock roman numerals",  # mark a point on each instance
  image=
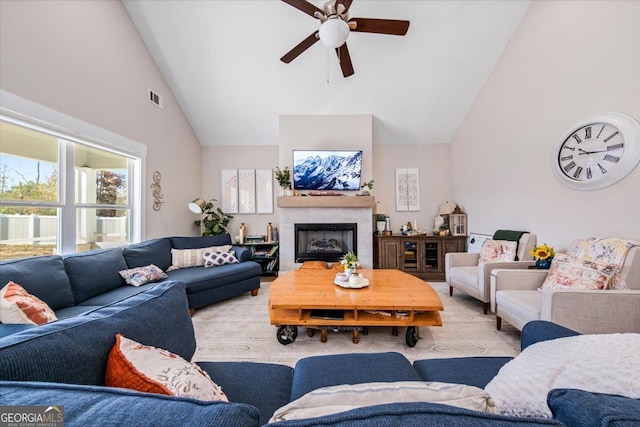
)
(611, 136)
(589, 174)
(602, 169)
(614, 146)
(587, 132)
(565, 158)
(577, 173)
(611, 158)
(601, 129)
(569, 166)
(577, 138)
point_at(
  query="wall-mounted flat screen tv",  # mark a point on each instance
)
(327, 169)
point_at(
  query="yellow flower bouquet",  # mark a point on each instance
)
(543, 252)
(350, 260)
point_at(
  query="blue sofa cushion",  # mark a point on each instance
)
(266, 386)
(156, 251)
(542, 330)
(95, 272)
(42, 276)
(200, 242)
(115, 295)
(75, 350)
(475, 371)
(356, 368)
(419, 414)
(204, 278)
(99, 406)
(585, 409)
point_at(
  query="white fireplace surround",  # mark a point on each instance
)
(289, 216)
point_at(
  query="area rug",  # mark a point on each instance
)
(238, 329)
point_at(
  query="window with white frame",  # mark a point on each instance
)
(61, 194)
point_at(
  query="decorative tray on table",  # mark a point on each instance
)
(342, 281)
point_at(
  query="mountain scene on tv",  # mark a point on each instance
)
(327, 170)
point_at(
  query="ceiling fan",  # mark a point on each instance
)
(335, 27)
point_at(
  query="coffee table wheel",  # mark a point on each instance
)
(287, 334)
(412, 336)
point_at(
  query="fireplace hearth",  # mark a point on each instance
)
(324, 242)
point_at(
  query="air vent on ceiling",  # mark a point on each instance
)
(155, 99)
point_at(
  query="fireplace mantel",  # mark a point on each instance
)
(326, 201)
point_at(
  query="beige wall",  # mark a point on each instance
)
(86, 60)
(566, 62)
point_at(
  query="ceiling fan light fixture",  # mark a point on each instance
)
(334, 32)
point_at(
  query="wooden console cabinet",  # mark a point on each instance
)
(422, 256)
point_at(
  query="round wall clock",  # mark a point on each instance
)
(598, 152)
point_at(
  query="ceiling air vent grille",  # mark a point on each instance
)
(155, 99)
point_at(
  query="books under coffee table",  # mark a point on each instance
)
(393, 298)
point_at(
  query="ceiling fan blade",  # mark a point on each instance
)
(345, 3)
(381, 26)
(300, 47)
(345, 60)
(304, 6)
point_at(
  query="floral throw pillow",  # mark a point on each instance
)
(568, 272)
(212, 259)
(153, 370)
(17, 306)
(498, 250)
(141, 275)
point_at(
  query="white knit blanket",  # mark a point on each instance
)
(596, 363)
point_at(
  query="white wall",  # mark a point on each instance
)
(85, 59)
(567, 61)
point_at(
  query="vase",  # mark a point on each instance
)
(348, 271)
(543, 263)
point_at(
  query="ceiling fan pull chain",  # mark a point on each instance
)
(328, 54)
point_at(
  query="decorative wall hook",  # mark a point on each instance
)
(157, 191)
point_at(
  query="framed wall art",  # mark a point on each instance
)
(247, 190)
(229, 190)
(407, 189)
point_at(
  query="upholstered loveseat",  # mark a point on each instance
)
(83, 282)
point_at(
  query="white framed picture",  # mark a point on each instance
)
(407, 189)
(229, 190)
(246, 191)
(264, 191)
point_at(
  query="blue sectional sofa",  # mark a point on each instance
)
(80, 283)
(63, 363)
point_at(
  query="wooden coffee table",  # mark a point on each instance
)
(393, 298)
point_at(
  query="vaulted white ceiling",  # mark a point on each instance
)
(222, 62)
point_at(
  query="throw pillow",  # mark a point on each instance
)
(18, 306)
(340, 398)
(568, 272)
(498, 250)
(153, 370)
(141, 275)
(185, 258)
(598, 363)
(212, 259)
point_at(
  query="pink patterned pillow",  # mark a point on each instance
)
(212, 259)
(498, 250)
(568, 272)
(141, 275)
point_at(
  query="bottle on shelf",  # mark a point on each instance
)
(269, 233)
(243, 233)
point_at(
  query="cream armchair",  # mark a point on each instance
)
(515, 298)
(465, 272)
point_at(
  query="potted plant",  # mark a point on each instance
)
(368, 186)
(349, 261)
(283, 176)
(444, 228)
(214, 220)
(381, 221)
(543, 255)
